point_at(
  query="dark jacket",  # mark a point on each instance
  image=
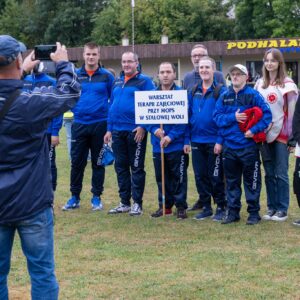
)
(224, 116)
(92, 106)
(296, 122)
(192, 78)
(122, 112)
(25, 184)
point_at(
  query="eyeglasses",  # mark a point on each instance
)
(128, 61)
(237, 74)
(198, 55)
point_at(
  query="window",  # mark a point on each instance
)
(292, 70)
(254, 69)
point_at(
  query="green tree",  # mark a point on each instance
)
(107, 27)
(71, 23)
(48, 21)
(267, 18)
(181, 20)
(12, 20)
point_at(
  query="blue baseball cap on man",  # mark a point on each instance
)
(9, 49)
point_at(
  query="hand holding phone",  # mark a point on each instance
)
(42, 52)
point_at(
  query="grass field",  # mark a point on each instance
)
(100, 256)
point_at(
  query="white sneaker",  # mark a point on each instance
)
(280, 216)
(268, 216)
(121, 208)
(136, 210)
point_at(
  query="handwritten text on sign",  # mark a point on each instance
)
(161, 107)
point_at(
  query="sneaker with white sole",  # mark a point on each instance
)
(121, 208)
(136, 210)
(72, 203)
(280, 216)
(96, 203)
(270, 213)
(296, 223)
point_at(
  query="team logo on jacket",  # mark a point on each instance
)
(272, 98)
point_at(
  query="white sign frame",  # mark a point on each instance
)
(161, 107)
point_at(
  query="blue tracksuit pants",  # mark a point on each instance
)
(176, 164)
(129, 165)
(209, 177)
(244, 163)
(85, 138)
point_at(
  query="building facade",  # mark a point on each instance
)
(226, 53)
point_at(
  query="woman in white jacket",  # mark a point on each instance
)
(280, 92)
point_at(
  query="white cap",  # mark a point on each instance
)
(240, 67)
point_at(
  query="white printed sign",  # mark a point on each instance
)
(161, 107)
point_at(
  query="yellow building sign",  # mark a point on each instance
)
(258, 44)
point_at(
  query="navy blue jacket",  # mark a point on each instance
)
(176, 132)
(296, 122)
(224, 116)
(122, 113)
(192, 78)
(39, 80)
(25, 184)
(92, 106)
(203, 129)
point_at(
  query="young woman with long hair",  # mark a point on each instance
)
(280, 92)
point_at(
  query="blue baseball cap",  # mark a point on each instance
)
(9, 49)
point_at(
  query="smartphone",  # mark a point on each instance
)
(42, 52)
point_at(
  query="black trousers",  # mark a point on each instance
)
(85, 138)
(129, 165)
(52, 158)
(242, 163)
(209, 176)
(176, 164)
(296, 180)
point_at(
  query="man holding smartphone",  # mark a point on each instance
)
(89, 127)
(26, 202)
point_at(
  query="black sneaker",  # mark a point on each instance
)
(196, 206)
(219, 215)
(206, 213)
(230, 218)
(159, 213)
(181, 213)
(296, 223)
(252, 220)
(280, 216)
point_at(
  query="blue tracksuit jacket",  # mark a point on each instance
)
(192, 78)
(121, 113)
(224, 116)
(39, 80)
(92, 106)
(203, 129)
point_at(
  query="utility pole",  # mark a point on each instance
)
(132, 23)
